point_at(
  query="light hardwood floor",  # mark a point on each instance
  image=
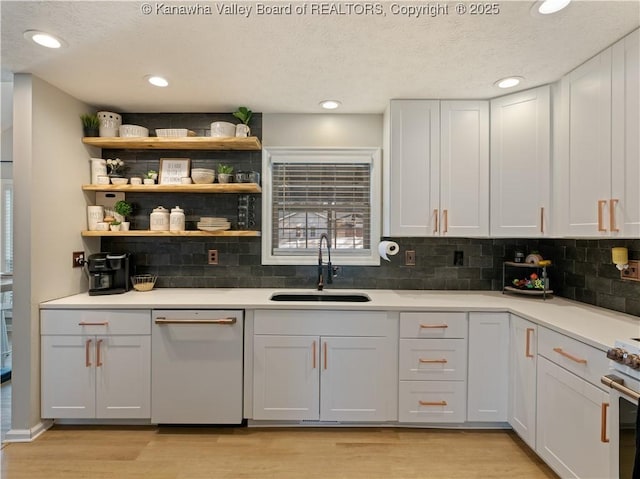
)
(313, 453)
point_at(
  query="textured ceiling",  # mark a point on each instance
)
(288, 63)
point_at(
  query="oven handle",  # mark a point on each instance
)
(614, 382)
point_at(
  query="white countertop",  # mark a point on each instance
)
(595, 326)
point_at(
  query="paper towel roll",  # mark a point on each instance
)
(388, 248)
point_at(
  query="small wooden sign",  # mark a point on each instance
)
(172, 170)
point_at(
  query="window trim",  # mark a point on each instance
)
(373, 156)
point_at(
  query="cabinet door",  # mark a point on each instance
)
(521, 164)
(625, 145)
(464, 168)
(123, 377)
(412, 168)
(522, 379)
(584, 165)
(68, 377)
(355, 383)
(286, 377)
(569, 423)
(487, 390)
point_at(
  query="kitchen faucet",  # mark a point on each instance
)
(320, 263)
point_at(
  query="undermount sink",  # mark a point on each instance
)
(320, 296)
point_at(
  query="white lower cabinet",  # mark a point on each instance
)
(522, 378)
(96, 364)
(487, 387)
(340, 374)
(433, 367)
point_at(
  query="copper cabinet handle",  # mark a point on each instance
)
(570, 356)
(612, 215)
(435, 221)
(432, 403)
(445, 220)
(434, 326)
(313, 352)
(432, 361)
(527, 353)
(87, 358)
(324, 345)
(600, 222)
(85, 323)
(542, 219)
(98, 361)
(603, 423)
(162, 320)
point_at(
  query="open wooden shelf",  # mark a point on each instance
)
(192, 188)
(182, 143)
(134, 233)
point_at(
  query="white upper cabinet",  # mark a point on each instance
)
(464, 168)
(521, 164)
(412, 161)
(598, 163)
(437, 168)
(625, 135)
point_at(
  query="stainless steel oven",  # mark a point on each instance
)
(624, 396)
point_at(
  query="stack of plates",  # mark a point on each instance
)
(208, 223)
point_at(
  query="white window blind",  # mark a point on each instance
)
(6, 226)
(311, 192)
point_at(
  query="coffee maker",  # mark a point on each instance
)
(108, 273)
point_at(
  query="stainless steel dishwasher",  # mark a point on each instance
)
(196, 366)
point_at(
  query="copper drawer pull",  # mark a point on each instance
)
(600, 221)
(432, 403)
(434, 326)
(313, 352)
(528, 348)
(570, 356)
(439, 361)
(84, 323)
(98, 361)
(603, 423)
(612, 215)
(87, 358)
(324, 345)
(435, 221)
(195, 321)
(445, 219)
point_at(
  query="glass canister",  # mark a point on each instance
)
(159, 219)
(176, 219)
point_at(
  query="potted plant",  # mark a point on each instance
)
(122, 209)
(116, 168)
(224, 173)
(151, 177)
(115, 225)
(90, 124)
(244, 115)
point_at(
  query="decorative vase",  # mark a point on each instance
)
(224, 177)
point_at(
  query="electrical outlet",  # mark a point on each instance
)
(78, 259)
(410, 258)
(458, 258)
(632, 272)
(213, 256)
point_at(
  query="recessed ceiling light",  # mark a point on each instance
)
(509, 82)
(547, 7)
(157, 80)
(330, 104)
(43, 39)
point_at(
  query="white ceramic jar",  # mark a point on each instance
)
(109, 123)
(159, 219)
(176, 219)
(98, 168)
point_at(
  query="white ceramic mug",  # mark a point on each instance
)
(242, 130)
(136, 181)
(95, 215)
(103, 180)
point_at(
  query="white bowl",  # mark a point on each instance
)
(129, 131)
(203, 170)
(202, 178)
(222, 129)
(172, 132)
(119, 181)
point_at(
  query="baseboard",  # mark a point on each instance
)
(28, 435)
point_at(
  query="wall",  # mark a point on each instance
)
(50, 163)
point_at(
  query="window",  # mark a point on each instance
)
(6, 226)
(310, 192)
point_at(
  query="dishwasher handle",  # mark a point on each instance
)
(164, 320)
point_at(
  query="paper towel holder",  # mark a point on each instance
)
(620, 257)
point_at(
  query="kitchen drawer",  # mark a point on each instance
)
(433, 325)
(94, 322)
(581, 359)
(295, 322)
(436, 359)
(432, 401)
